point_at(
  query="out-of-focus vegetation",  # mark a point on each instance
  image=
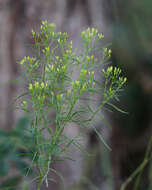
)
(16, 155)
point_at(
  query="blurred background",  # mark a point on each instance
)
(127, 26)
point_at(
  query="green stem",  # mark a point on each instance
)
(147, 154)
(40, 183)
(140, 168)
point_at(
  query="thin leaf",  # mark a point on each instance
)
(116, 108)
(102, 139)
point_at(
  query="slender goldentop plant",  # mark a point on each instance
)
(51, 89)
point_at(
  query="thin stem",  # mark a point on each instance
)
(146, 157)
(40, 183)
(140, 168)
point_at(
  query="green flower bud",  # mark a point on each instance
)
(51, 26)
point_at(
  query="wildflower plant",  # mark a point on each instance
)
(51, 88)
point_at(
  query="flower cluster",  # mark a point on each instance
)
(90, 35)
(113, 81)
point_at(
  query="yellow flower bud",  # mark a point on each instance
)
(33, 33)
(36, 84)
(69, 92)
(30, 86)
(42, 85)
(52, 67)
(25, 103)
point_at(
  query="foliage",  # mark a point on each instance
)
(52, 89)
(16, 147)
